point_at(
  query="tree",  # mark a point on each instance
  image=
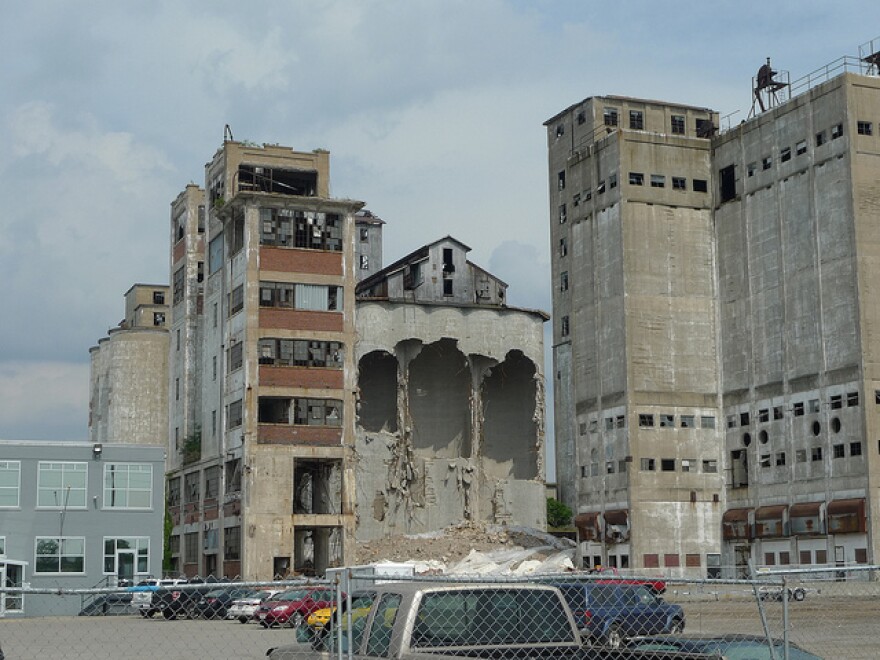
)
(558, 515)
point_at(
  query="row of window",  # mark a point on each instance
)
(647, 421)
(64, 485)
(808, 557)
(192, 547)
(611, 117)
(798, 409)
(314, 297)
(208, 482)
(815, 454)
(301, 229)
(67, 554)
(708, 466)
(301, 353)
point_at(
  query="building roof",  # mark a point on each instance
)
(632, 99)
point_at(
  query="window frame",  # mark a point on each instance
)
(5, 465)
(60, 555)
(107, 492)
(81, 490)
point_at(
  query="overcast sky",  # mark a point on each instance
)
(432, 112)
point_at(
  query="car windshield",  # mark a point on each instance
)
(296, 594)
(215, 593)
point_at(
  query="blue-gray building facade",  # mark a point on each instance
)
(77, 515)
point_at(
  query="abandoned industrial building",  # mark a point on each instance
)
(715, 337)
(299, 419)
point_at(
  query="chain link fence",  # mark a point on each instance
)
(829, 613)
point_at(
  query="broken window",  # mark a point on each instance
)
(727, 183)
(232, 543)
(609, 115)
(836, 401)
(259, 178)
(564, 329)
(212, 481)
(174, 491)
(158, 318)
(306, 412)
(836, 131)
(677, 124)
(236, 232)
(667, 421)
(852, 399)
(648, 465)
(798, 409)
(365, 262)
(317, 486)
(751, 168)
(707, 422)
(233, 475)
(600, 189)
(687, 421)
(563, 281)
(800, 148)
(621, 421)
(178, 285)
(609, 467)
(686, 464)
(609, 423)
(576, 200)
(710, 466)
(864, 128)
(563, 246)
(636, 179)
(816, 454)
(700, 185)
(233, 414)
(236, 356)
(364, 234)
(667, 465)
(560, 130)
(191, 487)
(201, 220)
(764, 415)
(158, 297)
(636, 120)
(560, 180)
(563, 214)
(612, 181)
(766, 162)
(785, 155)
(646, 420)
(658, 181)
(179, 226)
(765, 460)
(679, 183)
(236, 300)
(820, 138)
(313, 297)
(777, 412)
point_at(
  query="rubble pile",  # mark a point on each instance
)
(472, 548)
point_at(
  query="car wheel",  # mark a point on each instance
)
(264, 624)
(677, 627)
(242, 619)
(169, 614)
(614, 638)
(799, 594)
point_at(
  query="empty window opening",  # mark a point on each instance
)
(377, 386)
(751, 168)
(636, 179)
(785, 155)
(667, 464)
(765, 460)
(816, 454)
(836, 401)
(800, 148)
(820, 138)
(636, 120)
(798, 409)
(439, 395)
(855, 449)
(447, 286)
(560, 130)
(766, 162)
(317, 486)
(258, 178)
(677, 124)
(764, 415)
(852, 399)
(727, 183)
(744, 419)
(315, 549)
(563, 281)
(563, 246)
(679, 183)
(700, 185)
(581, 118)
(739, 463)
(836, 131)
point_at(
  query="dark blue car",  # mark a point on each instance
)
(611, 613)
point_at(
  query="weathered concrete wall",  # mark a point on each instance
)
(467, 443)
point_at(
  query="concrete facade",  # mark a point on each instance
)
(261, 482)
(724, 324)
(77, 515)
(450, 420)
(128, 400)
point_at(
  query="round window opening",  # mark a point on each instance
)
(817, 428)
(762, 436)
(747, 439)
(835, 425)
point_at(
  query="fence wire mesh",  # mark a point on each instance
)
(796, 615)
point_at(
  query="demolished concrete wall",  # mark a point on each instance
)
(466, 440)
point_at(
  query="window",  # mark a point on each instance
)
(687, 421)
(751, 168)
(317, 412)
(648, 465)
(636, 120)
(658, 181)
(232, 543)
(855, 449)
(158, 318)
(764, 415)
(816, 454)
(710, 467)
(564, 327)
(365, 262)
(174, 491)
(212, 482)
(576, 200)
(610, 116)
(798, 409)
(312, 297)
(214, 367)
(233, 475)
(780, 458)
(177, 389)
(667, 421)
(560, 180)
(707, 422)
(731, 421)
(636, 179)
(865, 128)
(839, 451)
(686, 464)
(766, 162)
(236, 300)
(213, 423)
(201, 220)
(563, 281)
(820, 138)
(158, 297)
(700, 185)
(727, 183)
(765, 460)
(447, 286)
(581, 117)
(671, 560)
(177, 285)
(301, 353)
(677, 124)
(785, 155)
(10, 483)
(215, 254)
(621, 422)
(563, 214)
(852, 399)
(61, 485)
(63, 554)
(679, 183)
(563, 246)
(191, 490)
(777, 412)
(191, 548)
(800, 456)
(744, 419)
(836, 401)
(234, 414)
(560, 130)
(139, 545)
(609, 423)
(588, 195)
(612, 181)
(200, 271)
(667, 464)
(600, 189)
(646, 420)
(800, 148)
(609, 467)
(836, 131)
(128, 486)
(704, 128)
(236, 356)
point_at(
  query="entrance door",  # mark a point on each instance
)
(742, 555)
(11, 575)
(125, 562)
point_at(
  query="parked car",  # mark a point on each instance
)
(609, 613)
(732, 647)
(611, 575)
(244, 608)
(142, 593)
(320, 621)
(773, 592)
(294, 606)
(213, 604)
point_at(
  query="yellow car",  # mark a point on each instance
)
(320, 618)
(360, 605)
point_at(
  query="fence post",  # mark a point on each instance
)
(785, 617)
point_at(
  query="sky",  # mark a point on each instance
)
(432, 110)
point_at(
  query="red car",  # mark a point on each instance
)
(294, 606)
(657, 585)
